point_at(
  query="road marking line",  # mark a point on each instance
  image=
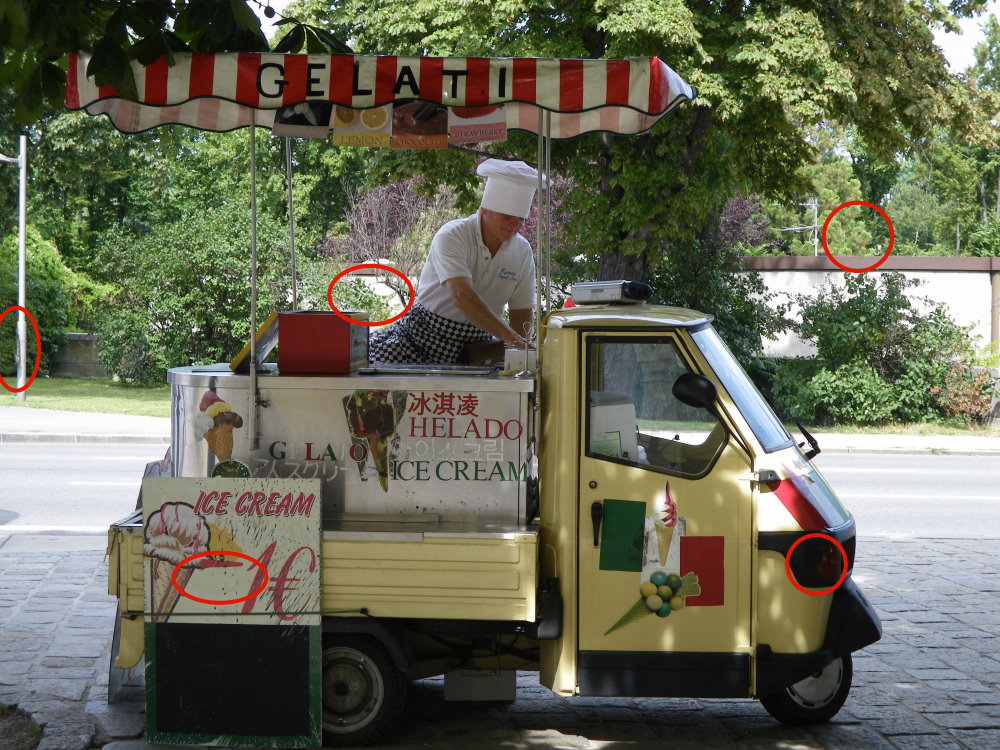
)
(86, 529)
(103, 484)
(940, 496)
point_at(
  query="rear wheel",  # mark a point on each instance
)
(814, 699)
(363, 693)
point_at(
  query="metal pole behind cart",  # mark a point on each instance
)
(291, 221)
(252, 412)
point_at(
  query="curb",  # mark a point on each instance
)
(48, 437)
(915, 451)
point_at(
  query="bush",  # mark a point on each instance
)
(182, 292)
(50, 291)
(880, 358)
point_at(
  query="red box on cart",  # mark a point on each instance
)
(317, 341)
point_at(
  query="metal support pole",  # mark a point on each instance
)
(253, 280)
(21, 328)
(291, 221)
(539, 203)
(995, 311)
(22, 334)
(815, 205)
(548, 212)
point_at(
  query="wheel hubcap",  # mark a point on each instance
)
(820, 688)
(353, 690)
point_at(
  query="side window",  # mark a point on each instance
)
(632, 415)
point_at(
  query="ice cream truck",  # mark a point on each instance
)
(625, 514)
(629, 519)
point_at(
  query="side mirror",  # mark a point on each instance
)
(695, 390)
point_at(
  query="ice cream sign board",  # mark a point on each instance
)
(240, 551)
(232, 595)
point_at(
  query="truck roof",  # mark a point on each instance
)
(627, 316)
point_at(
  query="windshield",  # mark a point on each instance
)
(762, 420)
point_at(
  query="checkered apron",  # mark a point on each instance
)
(422, 337)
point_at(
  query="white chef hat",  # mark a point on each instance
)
(510, 186)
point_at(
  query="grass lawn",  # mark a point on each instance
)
(106, 396)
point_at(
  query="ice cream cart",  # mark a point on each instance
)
(628, 518)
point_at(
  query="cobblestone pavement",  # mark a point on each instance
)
(933, 681)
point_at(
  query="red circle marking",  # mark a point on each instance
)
(38, 349)
(892, 237)
(251, 595)
(788, 564)
(329, 294)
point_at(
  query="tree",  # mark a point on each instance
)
(183, 290)
(764, 73)
(393, 222)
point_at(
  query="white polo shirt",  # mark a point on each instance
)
(507, 278)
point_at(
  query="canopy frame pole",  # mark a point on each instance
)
(254, 400)
(548, 212)
(291, 221)
(539, 202)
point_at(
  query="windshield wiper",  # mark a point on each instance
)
(814, 449)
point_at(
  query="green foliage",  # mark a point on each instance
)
(315, 275)
(852, 393)
(881, 357)
(985, 241)
(57, 298)
(707, 275)
(183, 290)
(765, 73)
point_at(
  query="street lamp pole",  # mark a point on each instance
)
(22, 333)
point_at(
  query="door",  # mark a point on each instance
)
(664, 530)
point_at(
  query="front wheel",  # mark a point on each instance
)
(815, 699)
(363, 693)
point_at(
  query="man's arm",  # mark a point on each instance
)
(471, 305)
(521, 320)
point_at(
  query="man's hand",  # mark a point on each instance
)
(471, 305)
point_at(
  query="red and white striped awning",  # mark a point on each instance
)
(220, 92)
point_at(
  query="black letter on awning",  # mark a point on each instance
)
(310, 91)
(280, 81)
(357, 91)
(406, 78)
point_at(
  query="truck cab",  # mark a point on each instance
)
(660, 458)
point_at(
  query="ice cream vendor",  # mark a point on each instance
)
(476, 266)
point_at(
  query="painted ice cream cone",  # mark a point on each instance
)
(663, 536)
(665, 521)
(220, 440)
(173, 534)
(216, 422)
(370, 417)
(377, 451)
(165, 595)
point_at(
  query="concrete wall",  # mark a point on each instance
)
(77, 358)
(964, 285)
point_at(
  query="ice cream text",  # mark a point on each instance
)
(255, 503)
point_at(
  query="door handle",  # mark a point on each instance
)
(597, 515)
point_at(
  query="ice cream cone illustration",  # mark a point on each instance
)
(665, 522)
(173, 533)
(371, 420)
(216, 423)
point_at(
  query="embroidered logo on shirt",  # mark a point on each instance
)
(507, 275)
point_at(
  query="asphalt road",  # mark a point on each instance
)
(905, 495)
(84, 487)
(70, 487)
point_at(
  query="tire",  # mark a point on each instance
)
(815, 699)
(363, 693)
